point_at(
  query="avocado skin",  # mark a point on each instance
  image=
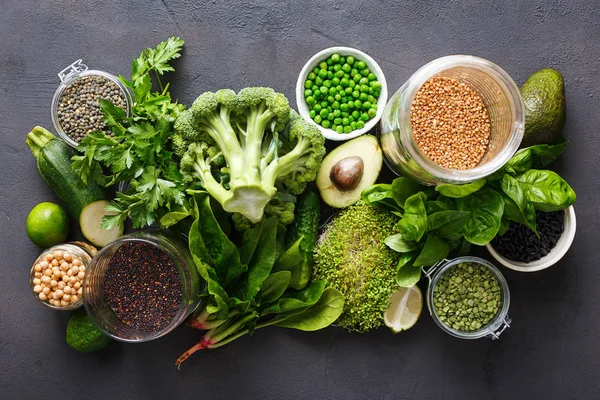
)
(545, 111)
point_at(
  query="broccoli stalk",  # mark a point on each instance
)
(256, 139)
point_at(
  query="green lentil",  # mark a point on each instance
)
(341, 83)
(467, 296)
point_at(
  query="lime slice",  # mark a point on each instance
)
(404, 309)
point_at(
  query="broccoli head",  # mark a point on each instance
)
(255, 140)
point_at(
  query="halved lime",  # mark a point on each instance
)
(404, 309)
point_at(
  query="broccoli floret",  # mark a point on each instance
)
(283, 210)
(352, 256)
(255, 141)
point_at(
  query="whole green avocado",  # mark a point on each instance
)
(545, 111)
(83, 335)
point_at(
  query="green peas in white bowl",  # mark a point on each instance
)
(343, 91)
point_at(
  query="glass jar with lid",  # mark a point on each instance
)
(501, 97)
(68, 77)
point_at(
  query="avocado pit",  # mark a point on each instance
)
(347, 173)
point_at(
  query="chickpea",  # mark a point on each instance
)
(70, 272)
(37, 268)
(43, 297)
(74, 298)
(82, 268)
(79, 291)
(49, 257)
(76, 262)
(38, 274)
(58, 294)
(44, 264)
(64, 266)
(65, 278)
(46, 291)
(48, 272)
(67, 290)
(61, 285)
(81, 274)
(46, 279)
(73, 279)
(36, 281)
(58, 254)
(75, 270)
(66, 297)
(53, 283)
(64, 303)
(37, 289)
(55, 262)
(67, 257)
(76, 285)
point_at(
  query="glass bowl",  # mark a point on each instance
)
(496, 326)
(100, 311)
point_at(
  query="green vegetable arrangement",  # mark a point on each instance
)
(249, 287)
(138, 152)
(245, 148)
(449, 218)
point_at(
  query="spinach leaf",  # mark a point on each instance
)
(435, 249)
(458, 191)
(504, 224)
(294, 300)
(249, 243)
(414, 223)
(211, 246)
(434, 206)
(325, 312)
(274, 286)
(403, 188)
(290, 261)
(486, 207)
(407, 274)
(381, 196)
(512, 188)
(398, 243)
(173, 217)
(262, 259)
(546, 190)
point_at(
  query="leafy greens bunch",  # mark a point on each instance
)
(249, 150)
(449, 218)
(138, 151)
(250, 287)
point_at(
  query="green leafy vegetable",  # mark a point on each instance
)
(435, 249)
(458, 191)
(513, 189)
(546, 190)
(486, 207)
(413, 225)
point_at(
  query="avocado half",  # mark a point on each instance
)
(348, 170)
(545, 109)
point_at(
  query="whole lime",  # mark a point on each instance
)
(47, 224)
(83, 335)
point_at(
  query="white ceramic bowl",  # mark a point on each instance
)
(561, 248)
(344, 51)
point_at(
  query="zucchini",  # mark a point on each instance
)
(53, 158)
(305, 226)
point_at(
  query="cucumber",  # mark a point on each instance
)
(305, 226)
(53, 158)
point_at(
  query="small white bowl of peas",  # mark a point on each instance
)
(342, 91)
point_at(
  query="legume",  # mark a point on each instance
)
(78, 109)
(450, 123)
(341, 93)
(520, 243)
(467, 296)
(59, 286)
(143, 287)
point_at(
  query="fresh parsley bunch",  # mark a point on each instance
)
(138, 153)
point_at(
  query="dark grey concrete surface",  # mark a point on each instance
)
(551, 352)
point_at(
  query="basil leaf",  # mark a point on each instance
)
(512, 188)
(397, 243)
(504, 224)
(407, 274)
(325, 312)
(464, 249)
(486, 207)
(520, 162)
(544, 154)
(414, 223)
(435, 249)
(380, 196)
(449, 221)
(546, 190)
(458, 191)
(274, 286)
(403, 188)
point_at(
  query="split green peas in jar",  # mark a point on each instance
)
(341, 93)
(467, 297)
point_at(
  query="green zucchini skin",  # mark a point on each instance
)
(54, 165)
(306, 224)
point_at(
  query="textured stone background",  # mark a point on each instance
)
(553, 349)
